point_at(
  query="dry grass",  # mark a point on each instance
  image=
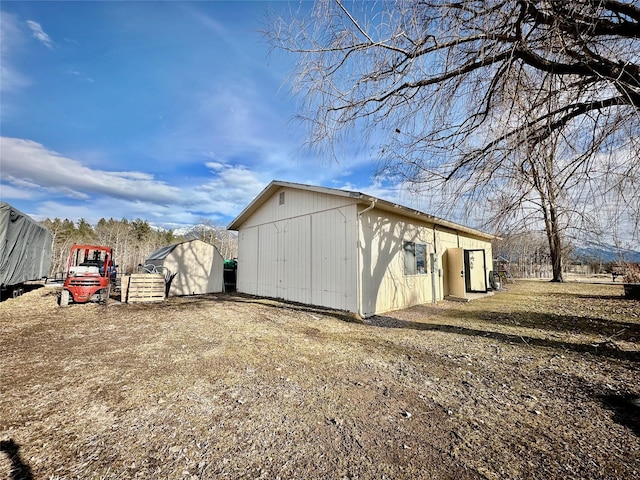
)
(537, 382)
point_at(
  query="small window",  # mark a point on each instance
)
(415, 258)
(281, 201)
(421, 256)
(409, 258)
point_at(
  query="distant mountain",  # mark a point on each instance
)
(604, 253)
(190, 231)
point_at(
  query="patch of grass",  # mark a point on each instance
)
(538, 381)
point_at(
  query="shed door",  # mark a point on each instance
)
(475, 271)
(456, 272)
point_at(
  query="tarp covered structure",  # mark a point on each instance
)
(193, 267)
(25, 247)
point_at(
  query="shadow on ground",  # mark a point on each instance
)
(607, 349)
(626, 410)
(19, 469)
(17, 290)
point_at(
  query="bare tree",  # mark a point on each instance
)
(524, 111)
(132, 241)
(527, 254)
(64, 235)
(225, 240)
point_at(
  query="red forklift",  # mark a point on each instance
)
(91, 271)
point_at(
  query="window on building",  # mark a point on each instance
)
(281, 199)
(415, 258)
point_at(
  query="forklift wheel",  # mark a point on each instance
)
(64, 298)
(104, 295)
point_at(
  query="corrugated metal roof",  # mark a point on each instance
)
(358, 196)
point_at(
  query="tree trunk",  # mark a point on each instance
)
(555, 247)
(546, 188)
(555, 243)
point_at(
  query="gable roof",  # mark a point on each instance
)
(163, 252)
(358, 197)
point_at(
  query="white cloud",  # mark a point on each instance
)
(80, 75)
(214, 25)
(28, 161)
(215, 165)
(10, 42)
(231, 189)
(66, 188)
(8, 191)
(40, 34)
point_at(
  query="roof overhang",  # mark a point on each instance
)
(358, 197)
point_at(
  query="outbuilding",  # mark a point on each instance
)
(191, 267)
(351, 251)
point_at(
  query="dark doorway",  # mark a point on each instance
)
(475, 277)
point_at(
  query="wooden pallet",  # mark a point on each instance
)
(143, 287)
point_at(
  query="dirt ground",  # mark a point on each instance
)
(540, 381)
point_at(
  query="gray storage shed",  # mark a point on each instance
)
(193, 267)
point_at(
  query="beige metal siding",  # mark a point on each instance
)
(267, 260)
(296, 203)
(385, 286)
(455, 272)
(295, 242)
(282, 260)
(333, 256)
(311, 247)
(198, 267)
(302, 250)
(445, 239)
(247, 274)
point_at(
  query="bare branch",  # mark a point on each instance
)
(530, 105)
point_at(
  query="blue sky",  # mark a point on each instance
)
(171, 112)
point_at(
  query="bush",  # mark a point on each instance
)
(632, 273)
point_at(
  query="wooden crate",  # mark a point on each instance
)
(143, 287)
